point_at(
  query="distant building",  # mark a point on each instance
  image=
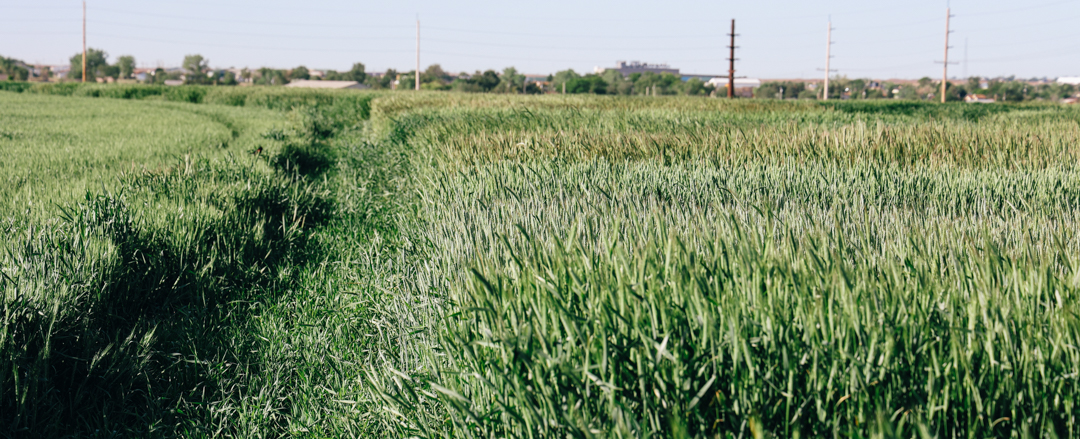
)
(978, 99)
(628, 68)
(1071, 80)
(705, 77)
(1069, 101)
(174, 82)
(744, 87)
(533, 78)
(341, 85)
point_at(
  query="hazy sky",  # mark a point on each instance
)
(778, 39)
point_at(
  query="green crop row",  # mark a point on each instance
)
(139, 239)
(508, 266)
(598, 269)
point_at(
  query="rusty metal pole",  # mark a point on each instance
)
(731, 64)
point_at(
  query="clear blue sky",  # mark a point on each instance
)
(779, 39)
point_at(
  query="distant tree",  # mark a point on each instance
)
(954, 93)
(126, 65)
(973, 84)
(157, 77)
(112, 71)
(406, 81)
(383, 81)
(195, 64)
(510, 81)
(95, 60)
(299, 73)
(229, 78)
(908, 92)
(617, 84)
(487, 80)
(807, 94)
(435, 73)
(590, 83)
(563, 77)
(14, 69)
(694, 87)
(357, 73)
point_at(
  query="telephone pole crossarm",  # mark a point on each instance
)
(731, 63)
(828, 58)
(945, 63)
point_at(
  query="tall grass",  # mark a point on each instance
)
(482, 266)
(636, 272)
(124, 307)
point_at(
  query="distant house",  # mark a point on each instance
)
(744, 87)
(978, 99)
(628, 68)
(1069, 101)
(703, 77)
(532, 78)
(174, 82)
(341, 85)
(1071, 80)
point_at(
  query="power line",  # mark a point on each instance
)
(246, 34)
(299, 49)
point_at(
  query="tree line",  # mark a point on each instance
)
(1007, 89)
(195, 70)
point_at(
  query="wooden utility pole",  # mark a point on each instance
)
(418, 52)
(828, 57)
(731, 64)
(84, 41)
(945, 64)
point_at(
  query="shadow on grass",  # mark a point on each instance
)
(140, 341)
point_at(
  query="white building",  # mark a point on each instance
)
(1071, 80)
(739, 83)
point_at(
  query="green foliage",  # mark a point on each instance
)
(299, 73)
(355, 74)
(126, 294)
(791, 89)
(96, 62)
(716, 268)
(195, 65)
(587, 84)
(478, 82)
(14, 69)
(126, 65)
(465, 265)
(563, 77)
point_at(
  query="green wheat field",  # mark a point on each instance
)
(257, 262)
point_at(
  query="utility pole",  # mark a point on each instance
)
(84, 41)
(731, 64)
(945, 63)
(828, 57)
(417, 52)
